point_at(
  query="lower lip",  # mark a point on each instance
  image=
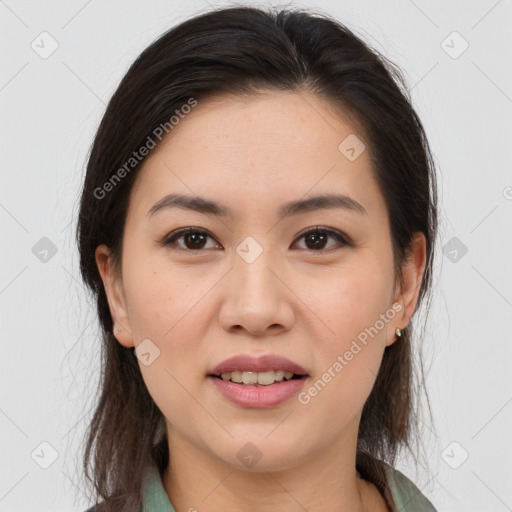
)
(258, 397)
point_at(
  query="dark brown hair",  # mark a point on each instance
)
(239, 51)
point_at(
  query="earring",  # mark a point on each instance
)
(398, 332)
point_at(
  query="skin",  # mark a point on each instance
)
(201, 307)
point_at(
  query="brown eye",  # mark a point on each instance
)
(317, 238)
(193, 239)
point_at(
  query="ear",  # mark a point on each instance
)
(115, 295)
(409, 288)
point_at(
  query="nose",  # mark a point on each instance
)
(256, 298)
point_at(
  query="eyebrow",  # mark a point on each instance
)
(209, 207)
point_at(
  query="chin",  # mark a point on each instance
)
(262, 456)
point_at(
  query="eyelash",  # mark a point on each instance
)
(172, 237)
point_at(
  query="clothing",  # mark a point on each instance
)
(407, 497)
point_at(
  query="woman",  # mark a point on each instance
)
(257, 224)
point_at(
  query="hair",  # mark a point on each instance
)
(240, 51)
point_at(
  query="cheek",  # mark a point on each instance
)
(347, 361)
(350, 301)
(161, 308)
(351, 337)
(166, 305)
(160, 297)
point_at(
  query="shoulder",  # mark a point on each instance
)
(406, 495)
(100, 507)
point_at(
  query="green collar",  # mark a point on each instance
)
(406, 496)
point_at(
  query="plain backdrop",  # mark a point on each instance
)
(61, 62)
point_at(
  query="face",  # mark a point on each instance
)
(255, 282)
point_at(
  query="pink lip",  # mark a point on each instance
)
(264, 363)
(258, 397)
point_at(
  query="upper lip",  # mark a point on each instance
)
(248, 363)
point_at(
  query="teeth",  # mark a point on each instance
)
(262, 378)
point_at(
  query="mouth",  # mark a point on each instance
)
(256, 379)
(257, 387)
(255, 371)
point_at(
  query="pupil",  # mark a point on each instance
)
(197, 238)
(316, 238)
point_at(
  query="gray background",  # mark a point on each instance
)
(50, 108)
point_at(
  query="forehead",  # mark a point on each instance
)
(260, 150)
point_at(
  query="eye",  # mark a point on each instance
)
(194, 239)
(317, 236)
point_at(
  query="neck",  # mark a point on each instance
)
(195, 479)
